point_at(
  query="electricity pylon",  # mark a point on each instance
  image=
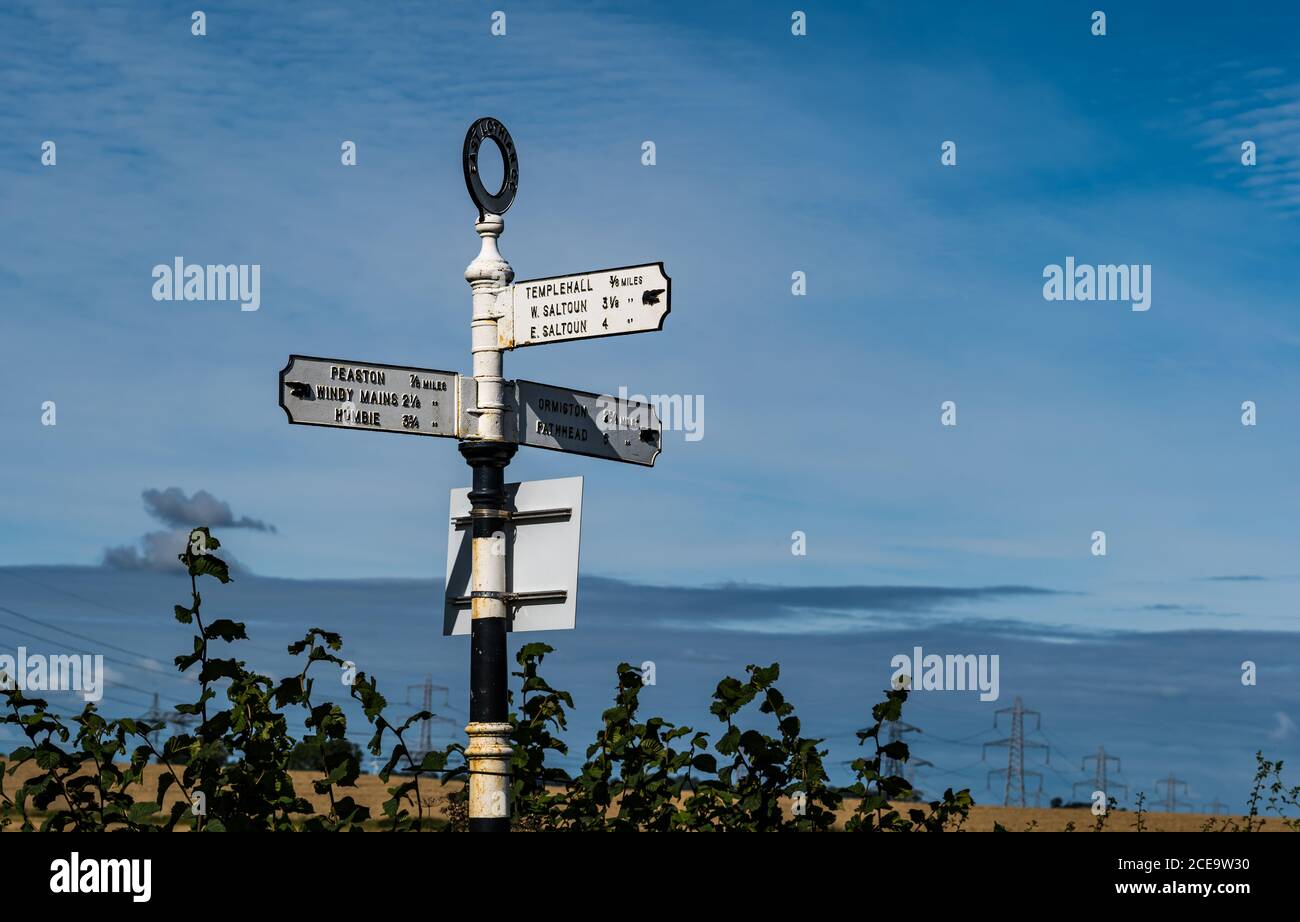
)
(897, 767)
(426, 725)
(894, 766)
(172, 718)
(1016, 746)
(1099, 780)
(891, 767)
(1171, 801)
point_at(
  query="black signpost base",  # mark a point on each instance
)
(488, 669)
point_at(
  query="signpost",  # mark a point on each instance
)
(607, 302)
(512, 554)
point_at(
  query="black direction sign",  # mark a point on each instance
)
(597, 425)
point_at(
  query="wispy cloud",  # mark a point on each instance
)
(760, 609)
(1283, 728)
(1182, 608)
(1260, 106)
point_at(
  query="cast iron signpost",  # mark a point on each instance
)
(491, 417)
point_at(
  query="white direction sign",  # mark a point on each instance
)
(541, 547)
(562, 419)
(368, 395)
(608, 302)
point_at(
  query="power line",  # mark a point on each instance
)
(961, 742)
(109, 659)
(246, 642)
(102, 643)
(86, 637)
(152, 674)
(964, 770)
(1058, 773)
(54, 627)
(1060, 752)
(73, 595)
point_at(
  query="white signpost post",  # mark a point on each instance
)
(512, 555)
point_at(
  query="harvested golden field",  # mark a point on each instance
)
(1046, 819)
(371, 792)
(1043, 819)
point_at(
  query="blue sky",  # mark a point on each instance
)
(775, 153)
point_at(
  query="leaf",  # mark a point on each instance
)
(208, 565)
(220, 669)
(289, 690)
(225, 629)
(705, 763)
(433, 761)
(142, 811)
(532, 651)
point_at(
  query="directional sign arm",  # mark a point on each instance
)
(345, 394)
(597, 425)
(608, 302)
